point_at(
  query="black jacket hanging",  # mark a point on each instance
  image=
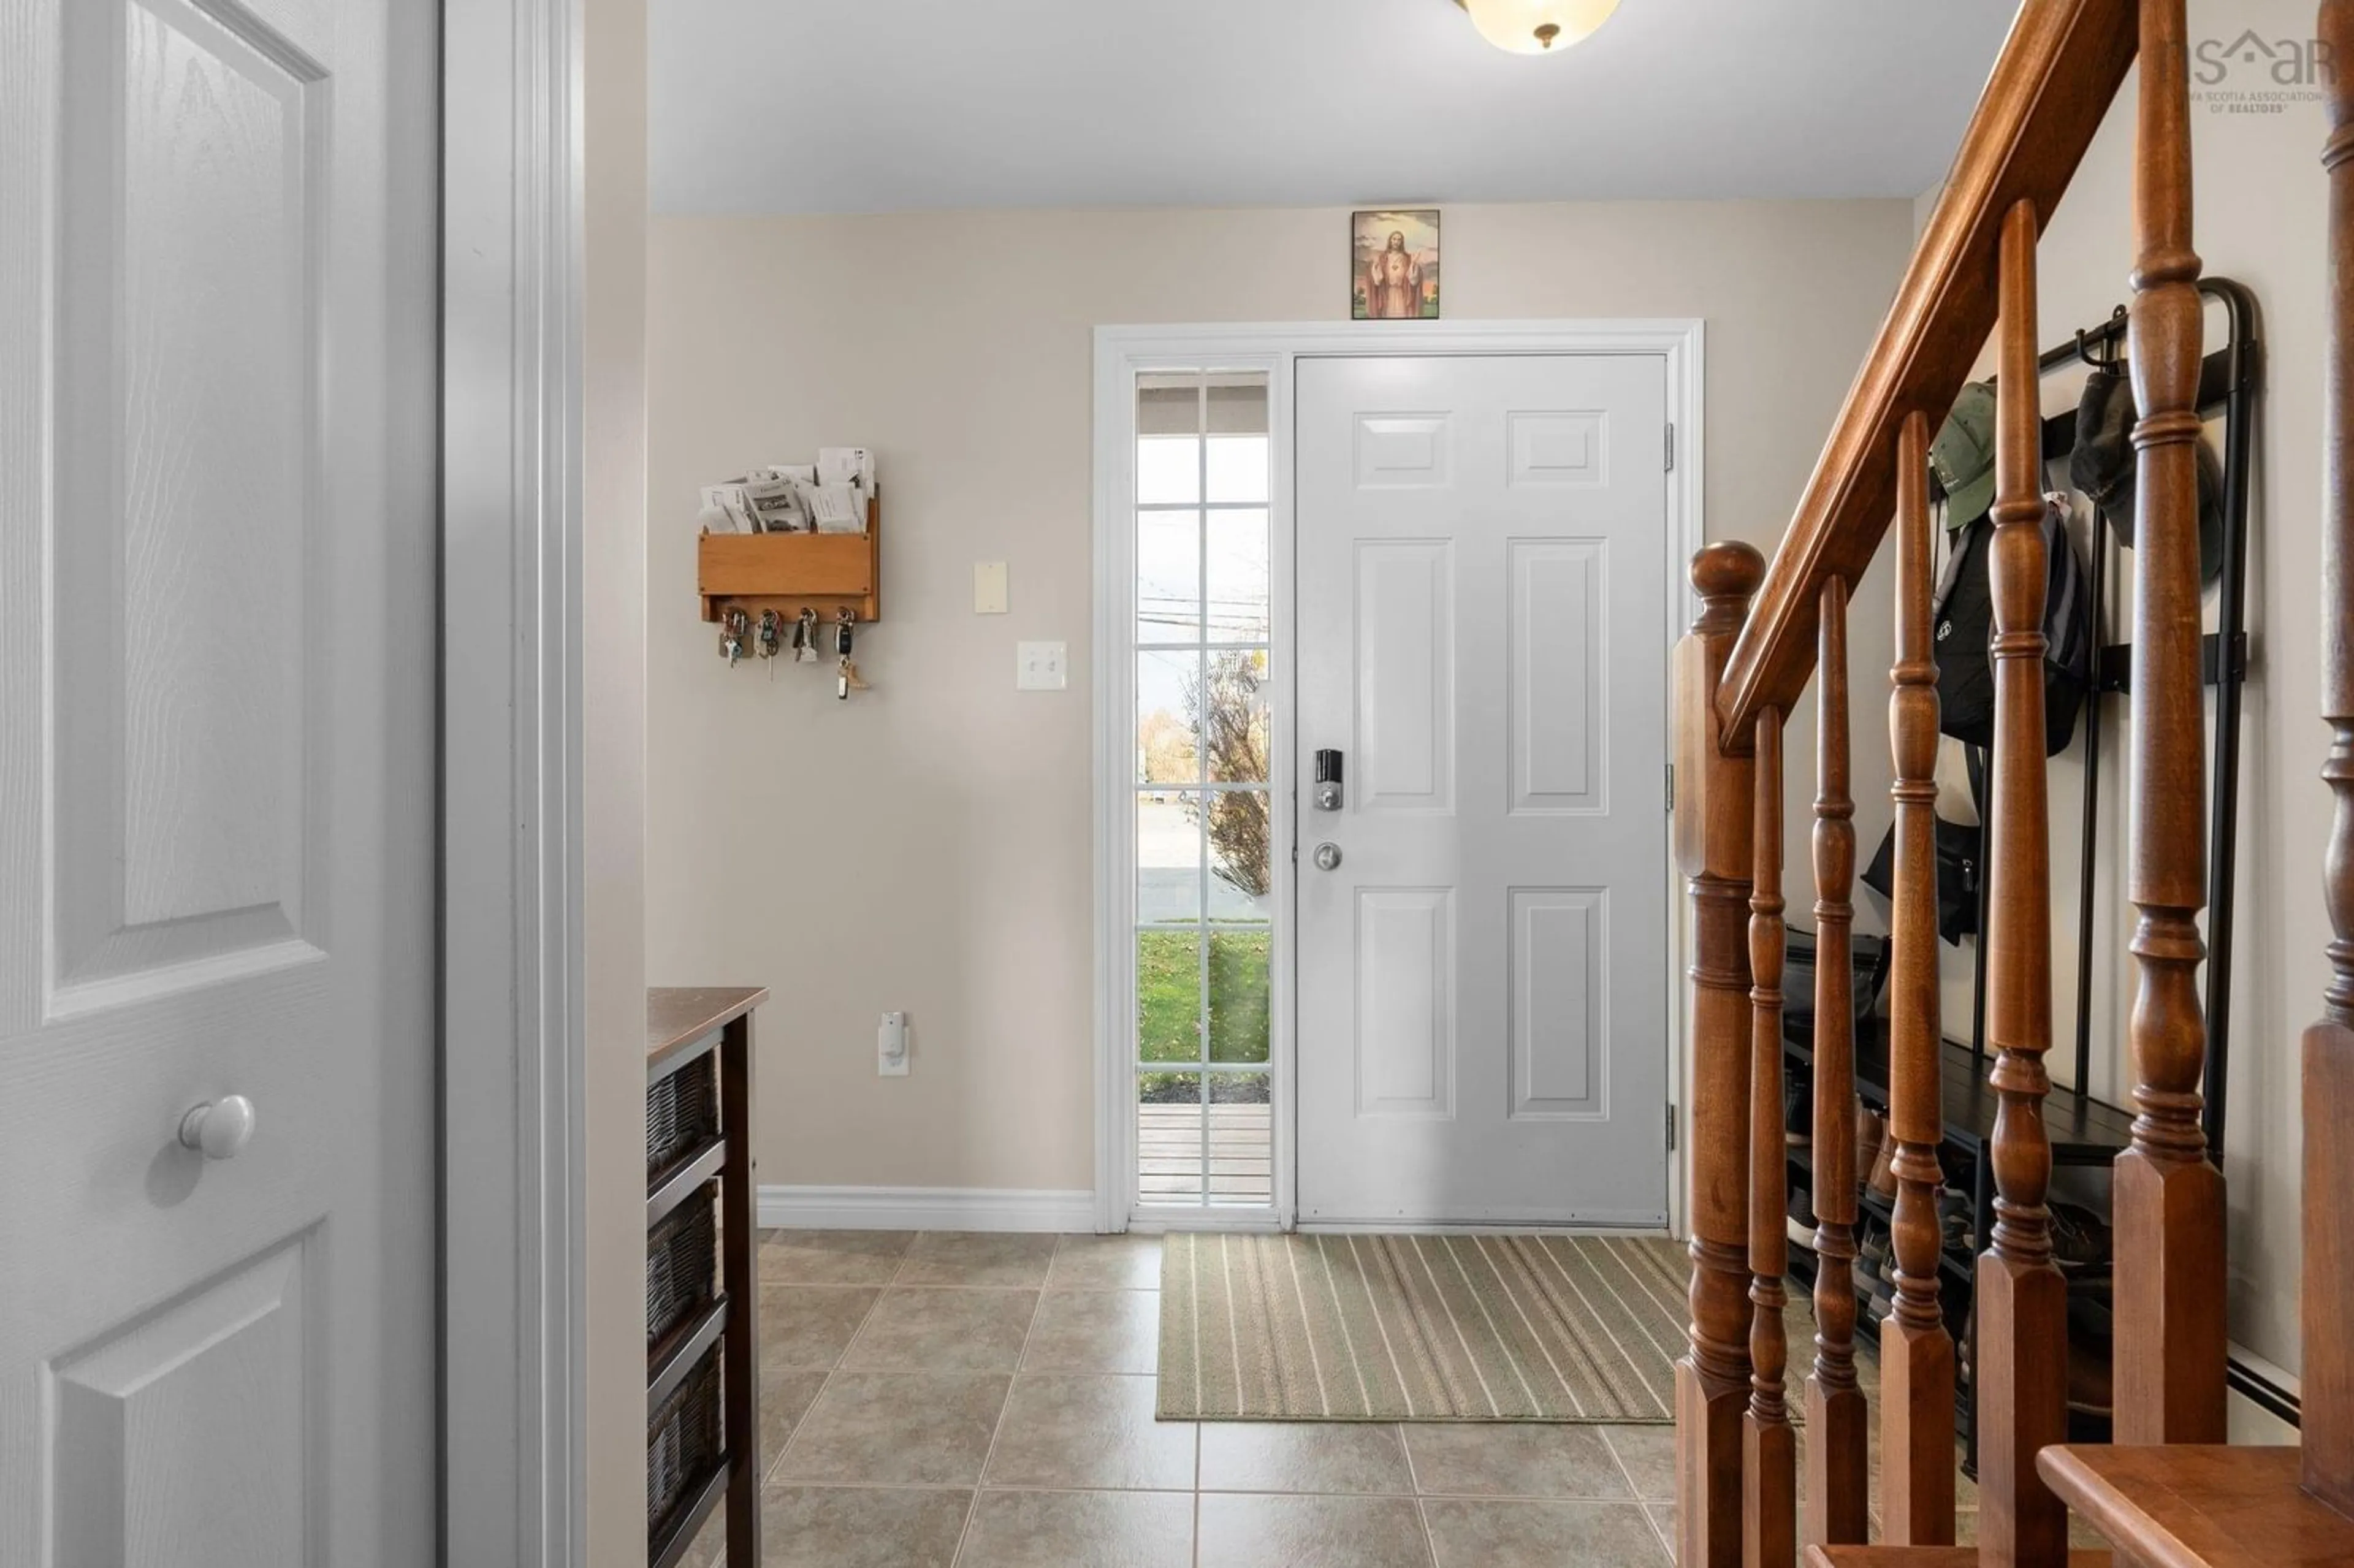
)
(1965, 631)
(1957, 866)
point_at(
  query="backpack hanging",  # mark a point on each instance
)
(1964, 630)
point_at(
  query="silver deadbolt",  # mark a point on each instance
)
(1328, 780)
(1328, 857)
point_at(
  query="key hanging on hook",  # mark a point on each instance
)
(734, 625)
(805, 638)
(846, 674)
(772, 635)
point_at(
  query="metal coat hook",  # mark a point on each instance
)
(2103, 355)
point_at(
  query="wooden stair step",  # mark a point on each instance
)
(2189, 1505)
(1926, 1557)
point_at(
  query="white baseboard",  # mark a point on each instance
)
(926, 1209)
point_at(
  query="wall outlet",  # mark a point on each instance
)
(891, 1046)
(1042, 667)
(988, 587)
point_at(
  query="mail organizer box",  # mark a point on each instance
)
(826, 573)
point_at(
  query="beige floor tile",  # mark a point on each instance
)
(1106, 1263)
(1089, 1431)
(860, 1527)
(1080, 1529)
(943, 1330)
(1239, 1530)
(1096, 1331)
(807, 1327)
(1476, 1533)
(785, 1398)
(1663, 1519)
(831, 1258)
(961, 1257)
(895, 1429)
(1526, 1461)
(1649, 1454)
(1304, 1456)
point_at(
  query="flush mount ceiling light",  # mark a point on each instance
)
(1538, 26)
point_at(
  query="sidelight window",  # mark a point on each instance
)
(1204, 948)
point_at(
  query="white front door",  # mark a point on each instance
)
(217, 783)
(1482, 1024)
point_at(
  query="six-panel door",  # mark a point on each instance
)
(1484, 979)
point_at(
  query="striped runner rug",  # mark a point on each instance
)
(1421, 1328)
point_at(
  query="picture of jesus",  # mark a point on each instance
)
(1395, 266)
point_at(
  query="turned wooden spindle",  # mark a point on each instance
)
(2327, 1459)
(2168, 1197)
(1713, 822)
(1838, 1500)
(1769, 1503)
(1916, 1350)
(2021, 1368)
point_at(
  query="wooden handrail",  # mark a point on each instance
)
(2058, 73)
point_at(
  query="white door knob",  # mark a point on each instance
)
(219, 1128)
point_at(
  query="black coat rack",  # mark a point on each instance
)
(2230, 379)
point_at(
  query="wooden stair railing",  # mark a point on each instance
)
(2162, 1502)
(1751, 651)
(1838, 1437)
(1713, 823)
(1769, 1533)
(2168, 1199)
(1916, 1350)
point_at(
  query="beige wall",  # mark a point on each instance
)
(2260, 210)
(613, 668)
(2261, 205)
(926, 845)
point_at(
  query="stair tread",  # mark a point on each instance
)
(2189, 1506)
(1887, 1556)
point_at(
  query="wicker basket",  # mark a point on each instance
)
(681, 1264)
(681, 1112)
(683, 1445)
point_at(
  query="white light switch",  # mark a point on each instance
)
(1041, 666)
(988, 587)
(891, 1046)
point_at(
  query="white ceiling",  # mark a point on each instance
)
(893, 105)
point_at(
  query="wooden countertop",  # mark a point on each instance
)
(679, 1015)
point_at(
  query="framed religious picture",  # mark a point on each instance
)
(1393, 262)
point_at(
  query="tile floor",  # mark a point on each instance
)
(943, 1400)
(936, 1399)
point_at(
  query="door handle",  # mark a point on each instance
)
(218, 1127)
(1328, 857)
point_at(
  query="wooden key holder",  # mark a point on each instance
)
(827, 573)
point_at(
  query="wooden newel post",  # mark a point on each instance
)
(1716, 789)
(2327, 1459)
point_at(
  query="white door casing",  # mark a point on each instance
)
(1483, 1019)
(216, 781)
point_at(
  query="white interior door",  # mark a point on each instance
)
(1482, 1024)
(216, 782)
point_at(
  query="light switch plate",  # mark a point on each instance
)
(891, 1046)
(988, 587)
(1042, 667)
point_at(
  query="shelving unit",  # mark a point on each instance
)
(2084, 1132)
(827, 573)
(702, 1281)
